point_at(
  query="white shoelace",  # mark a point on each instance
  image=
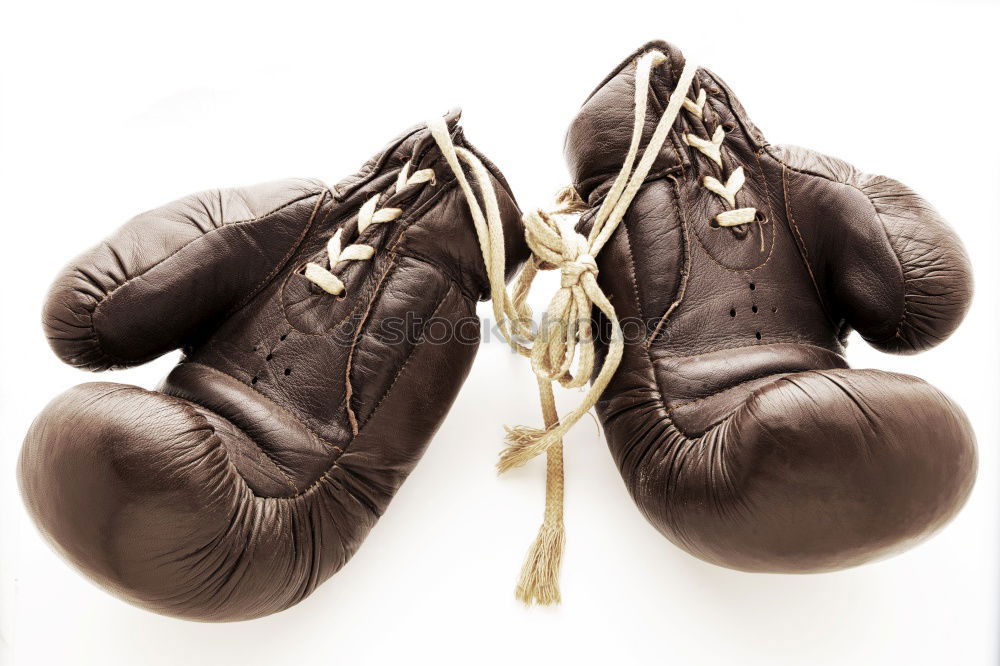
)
(712, 149)
(368, 215)
(565, 333)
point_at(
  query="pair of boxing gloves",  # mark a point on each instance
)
(735, 269)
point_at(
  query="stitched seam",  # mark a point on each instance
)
(631, 270)
(733, 269)
(804, 172)
(403, 224)
(695, 401)
(798, 234)
(767, 189)
(319, 437)
(325, 332)
(186, 407)
(756, 346)
(685, 270)
(899, 262)
(95, 336)
(261, 361)
(288, 255)
(183, 403)
(803, 251)
(274, 461)
(788, 210)
(728, 159)
(758, 143)
(415, 218)
(399, 372)
(410, 254)
(605, 185)
(348, 387)
(660, 107)
(786, 377)
(392, 254)
(204, 235)
(335, 464)
(726, 155)
(737, 386)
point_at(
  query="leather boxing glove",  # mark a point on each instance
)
(309, 385)
(736, 273)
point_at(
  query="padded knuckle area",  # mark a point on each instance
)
(813, 471)
(137, 491)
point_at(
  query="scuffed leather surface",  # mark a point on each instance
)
(239, 485)
(736, 423)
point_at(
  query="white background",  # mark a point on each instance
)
(109, 109)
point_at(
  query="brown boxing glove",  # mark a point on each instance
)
(726, 275)
(307, 391)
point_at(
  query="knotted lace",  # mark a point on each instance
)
(566, 331)
(565, 334)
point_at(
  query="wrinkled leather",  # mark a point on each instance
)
(737, 425)
(239, 485)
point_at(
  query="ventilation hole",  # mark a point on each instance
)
(732, 312)
(752, 286)
(269, 357)
(254, 349)
(754, 309)
(283, 336)
(757, 335)
(774, 309)
(288, 371)
(253, 381)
